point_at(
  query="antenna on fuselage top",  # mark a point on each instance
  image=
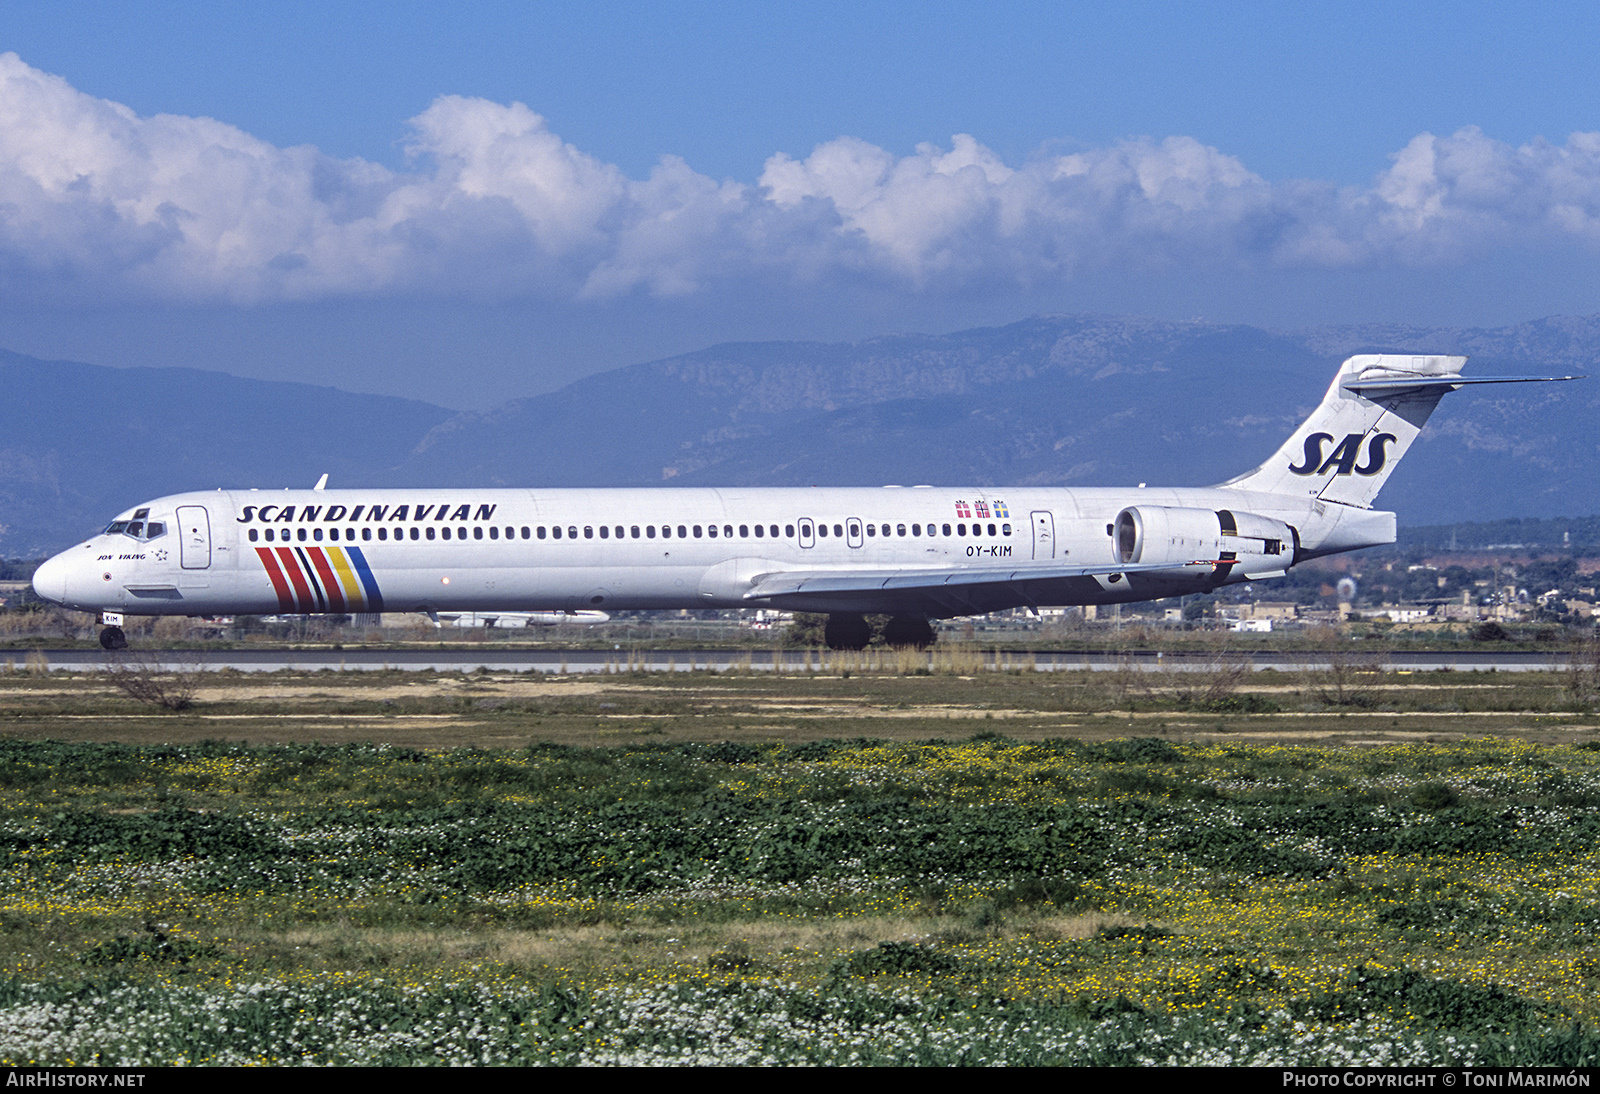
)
(322, 482)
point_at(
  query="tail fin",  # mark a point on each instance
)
(1373, 410)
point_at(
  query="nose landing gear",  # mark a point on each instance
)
(112, 637)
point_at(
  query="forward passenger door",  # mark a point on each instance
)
(194, 537)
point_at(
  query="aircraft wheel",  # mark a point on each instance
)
(112, 638)
(905, 630)
(847, 632)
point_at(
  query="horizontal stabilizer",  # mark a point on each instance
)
(1450, 383)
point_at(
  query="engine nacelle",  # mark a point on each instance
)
(1240, 545)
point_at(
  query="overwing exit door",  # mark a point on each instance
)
(1044, 535)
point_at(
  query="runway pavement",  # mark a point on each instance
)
(494, 659)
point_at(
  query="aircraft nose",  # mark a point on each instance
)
(50, 580)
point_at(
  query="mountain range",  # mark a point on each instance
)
(1052, 400)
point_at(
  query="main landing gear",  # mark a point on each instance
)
(906, 630)
(847, 631)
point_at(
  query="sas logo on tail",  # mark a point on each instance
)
(314, 580)
(1343, 458)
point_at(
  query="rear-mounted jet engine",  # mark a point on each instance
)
(1257, 546)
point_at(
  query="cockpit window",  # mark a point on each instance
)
(138, 527)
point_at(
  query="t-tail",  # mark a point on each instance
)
(1373, 411)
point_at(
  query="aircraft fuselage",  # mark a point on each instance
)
(337, 551)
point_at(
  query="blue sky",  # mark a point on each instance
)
(379, 196)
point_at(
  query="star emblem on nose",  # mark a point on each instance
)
(161, 555)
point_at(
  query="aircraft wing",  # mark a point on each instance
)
(966, 587)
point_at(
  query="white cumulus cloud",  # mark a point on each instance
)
(95, 199)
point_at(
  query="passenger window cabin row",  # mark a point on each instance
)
(649, 531)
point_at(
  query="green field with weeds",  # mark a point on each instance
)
(863, 866)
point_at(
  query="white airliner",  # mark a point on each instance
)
(915, 554)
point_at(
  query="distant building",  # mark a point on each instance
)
(1404, 613)
(1262, 611)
